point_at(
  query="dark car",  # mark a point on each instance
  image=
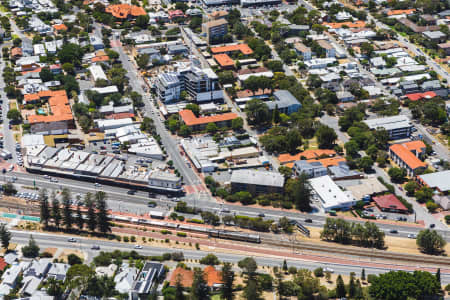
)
(393, 231)
(432, 225)
(95, 247)
(308, 220)
(131, 192)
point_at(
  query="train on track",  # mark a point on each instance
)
(214, 233)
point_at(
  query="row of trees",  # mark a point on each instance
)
(341, 231)
(94, 214)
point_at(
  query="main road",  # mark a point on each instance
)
(45, 240)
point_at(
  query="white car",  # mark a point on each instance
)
(326, 269)
(412, 236)
(137, 247)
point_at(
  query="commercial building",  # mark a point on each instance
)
(407, 155)
(97, 73)
(285, 102)
(438, 180)
(398, 127)
(200, 123)
(311, 169)
(201, 85)
(331, 197)
(215, 30)
(390, 203)
(256, 182)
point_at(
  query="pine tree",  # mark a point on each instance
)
(340, 287)
(44, 207)
(67, 211)
(79, 217)
(91, 216)
(363, 274)
(438, 275)
(276, 115)
(178, 288)
(351, 287)
(226, 290)
(358, 293)
(199, 289)
(56, 213)
(279, 282)
(102, 213)
(5, 236)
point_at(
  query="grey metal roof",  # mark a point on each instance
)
(258, 178)
(439, 180)
(283, 98)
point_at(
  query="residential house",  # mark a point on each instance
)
(329, 49)
(199, 123)
(150, 275)
(345, 96)
(125, 11)
(445, 47)
(303, 50)
(125, 278)
(435, 36)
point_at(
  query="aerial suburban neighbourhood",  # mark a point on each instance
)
(224, 149)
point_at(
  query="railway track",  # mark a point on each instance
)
(420, 260)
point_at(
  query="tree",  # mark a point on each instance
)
(46, 75)
(276, 115)
(438, 275)
(401, 285)
(142, 61)
(56, 213)
(397, 175)
(226, 290)
(73, 259)
(184, 131)
(14, 115)
(351, 148)
(142, 21)
(237, 124)
(366, 163)
(79, 217)
(68, 68)
(430, 242)
(102, 212)
(211, 128)
(251, 289)
(32, 249)
(340, 287)
(179, 288)
(44, 207)
(424, 194)
(257, 112)
(194, 108)
(67, 211)
(299, 193)
(5, 236)
(285, 171)
(55, 288)
(199, 289)
(326, 136)
(411, 187)
(352, 286)
(71, 53)
(293, 140)
(9, 189)
(210, 259)
(91, 216)
(367, 49)
(363, 274)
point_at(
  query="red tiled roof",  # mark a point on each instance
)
(123, 11)
(419, 96)
(120, 116)
(186, 277)
(407, 156)
(224, 60)
(308, 154)
(389, 202)
(190, 119)
(248, 93)
(212, 276)
(396, 12)
(60, 27)
(100, 58)
(417, 146)
(3, 264)
(244, 48)
(16, 51)
(331, 161)
(59, 108)
(356, 24)
(176, 13)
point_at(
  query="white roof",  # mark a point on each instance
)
(97, 72)
(389, 123)
(29, 140)
(439, 180)
(330, 195)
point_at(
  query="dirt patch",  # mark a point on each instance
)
(66, 252)
(51, 251)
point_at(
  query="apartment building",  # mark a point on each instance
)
(215, 30)
(398, 127)
(406, 155)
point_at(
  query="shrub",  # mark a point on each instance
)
(180, 218)
(318, 272)
(197, 246)
(197, 221)
(133, 239)
(165, 231)
(182, 234)
(447, 219)
(126, 239)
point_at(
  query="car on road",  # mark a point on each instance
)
(137, 247)
(52, 179)
(412, 236)
(131, 192)
(393, 231)
(432, 225)
(95, 247)
(97, 184)
(261, 215)
(308, 221)
(175, 199)
(72, 240)
(327, 269)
